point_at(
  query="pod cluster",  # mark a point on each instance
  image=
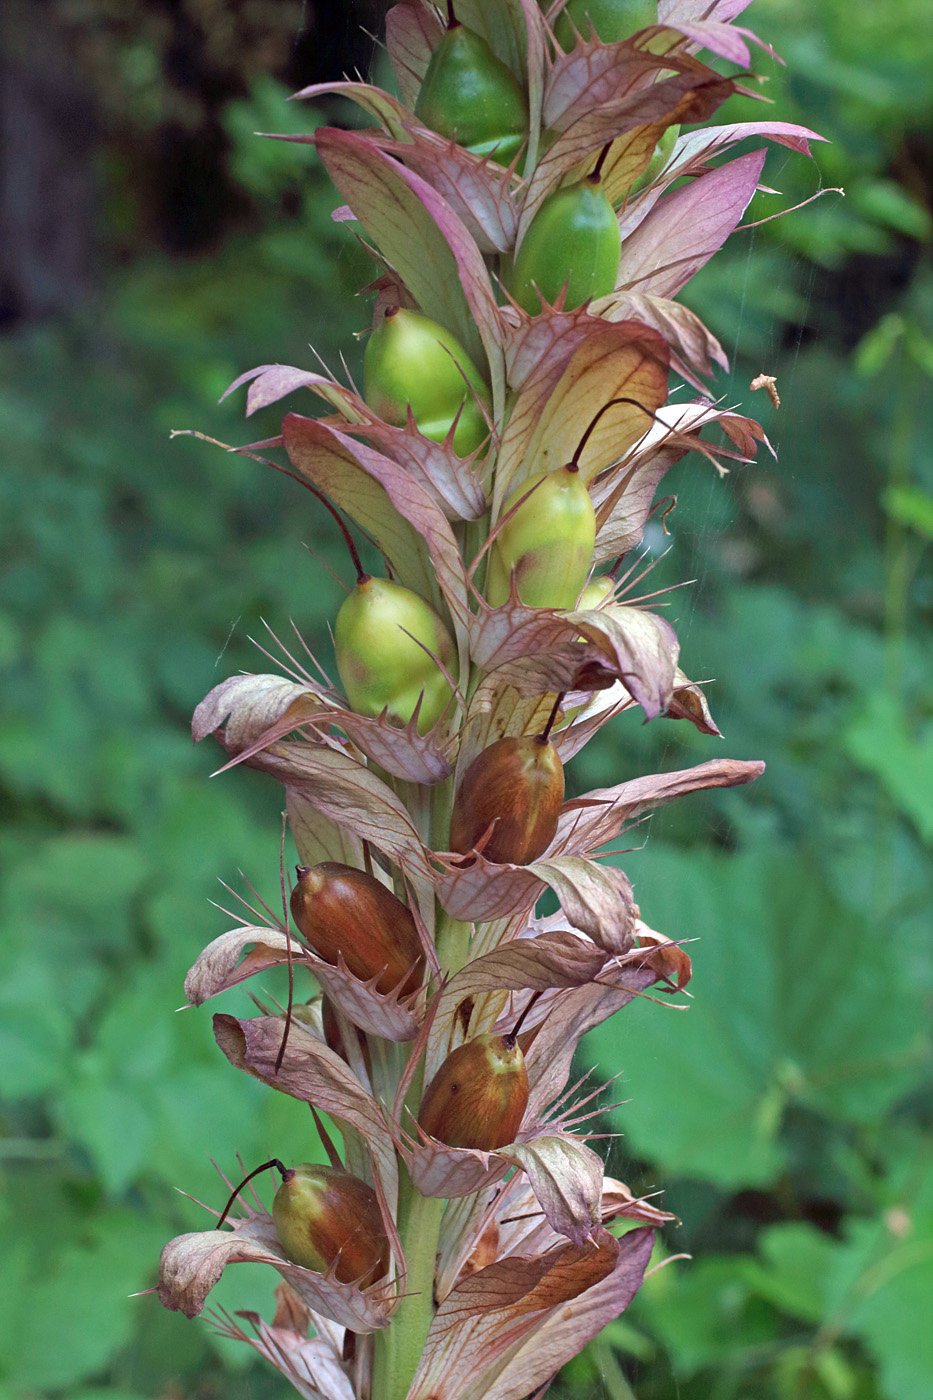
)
(413, 662)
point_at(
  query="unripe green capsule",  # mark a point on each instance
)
(612, 20)
(574, 241)
(516, 787)
(411, 361)
(381, 665)
(479, 1095)
(324, 1217)
(548, 542)
(469, 94)
(596, 592)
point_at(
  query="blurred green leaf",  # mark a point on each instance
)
(889, 203)
(880, 741)
(875, 349)
(882, 1281)
(792, 1004)
(792, 1272)
(705, 1313)
(909, 506)
(84, 1299)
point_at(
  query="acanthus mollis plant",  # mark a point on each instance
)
(533, 204)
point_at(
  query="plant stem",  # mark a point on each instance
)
(398, 1347)
(453, 943)
(897, 542)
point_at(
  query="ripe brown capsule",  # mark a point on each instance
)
(479, 1095)
(324, 1217)
(516, 786)
(344, 912)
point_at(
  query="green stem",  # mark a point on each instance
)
(897, 537)
(398, 1347)
(453, 942)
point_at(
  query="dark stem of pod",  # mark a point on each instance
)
(595, 174)
(574, 463)
(286, 1173)
(544, 737)
(512, 1036)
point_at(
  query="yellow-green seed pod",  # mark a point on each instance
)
(412, 362)
(470, 95)
(611, 19)
(596, 592)
(516, 788)
(324, 1217)
(381, 665)
(479, 1095)
(573, 241)
(548, 542)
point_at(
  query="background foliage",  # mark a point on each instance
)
(787, 1116)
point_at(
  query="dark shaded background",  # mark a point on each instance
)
(151, 248)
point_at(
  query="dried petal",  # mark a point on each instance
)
(687, 227)
(616, 361)
(476, 189)
(192, 1264)
(567, 1330)
(309, 1363)
(313, 1073)
(449, 1172)
(422, 238)
(486, 1333)
(248, 707)
(689, 702)
(567, 1179)
(667, 958)
(219, 966)
(607, 810)
(351, 794)
(317, 837)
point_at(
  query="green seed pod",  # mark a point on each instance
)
(344, 912)
(516, 786)
(612, 20)
(469, 94)
(662, 152)
(479, 1095)
(548, 542)
(413, 362)
(324, 1217)
(573, 241)
(380, 663)
(596, 592)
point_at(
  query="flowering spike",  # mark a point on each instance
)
(510, 442)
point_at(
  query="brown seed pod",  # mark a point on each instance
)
(324, 1217)
(479, 1095)
(344, 912)
(516, 786)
